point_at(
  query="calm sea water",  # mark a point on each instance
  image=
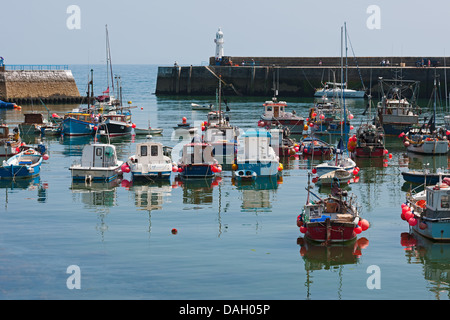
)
(233, 242)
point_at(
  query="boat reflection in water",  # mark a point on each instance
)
(435, 258)
(257, 195)
(98, 197)
(149, 195)
(11, 186)
(332, 257)
(197, 191)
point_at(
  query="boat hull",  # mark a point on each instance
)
(438, 231)
(332, 232)
(115, 129)
(196, 171)
(95, 174)
(369, 152)
(420, 177)
(430, 147)
(74, 127)
(260, 168)
(394, 129)
(15, 171)
(295, 126)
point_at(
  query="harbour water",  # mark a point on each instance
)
(232, 242)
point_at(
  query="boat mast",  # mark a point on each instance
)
(109, 71)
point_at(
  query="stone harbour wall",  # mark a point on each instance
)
(22, 86)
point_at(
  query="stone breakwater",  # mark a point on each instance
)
(296, 77)
(50, 86)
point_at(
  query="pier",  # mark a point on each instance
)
(298, 77)
(34, 83)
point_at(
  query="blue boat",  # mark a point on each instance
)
(197, 161)
(423, 176)
(25, 164)
(430, 211)
(78, 124)
(255, 157)
(7, 105)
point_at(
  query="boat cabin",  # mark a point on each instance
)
(115, 117)
(150, 153)
(99, 156)
(256, 146)
(438, 200)
(395, 107)
(79, 116)
(4, 132)
(198, 153)
(274, 109)
(33, 118)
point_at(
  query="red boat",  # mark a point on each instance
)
(369, 142)
(275, 114)
(332, 219)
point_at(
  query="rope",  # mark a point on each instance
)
(220, 78)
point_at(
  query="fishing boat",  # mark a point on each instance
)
(340, 175)
(423, 141)
(275, 114)
(428, 211)
(115, 125)
(98, 163)
(332, 89)
(327, 117)
(25, 164)
(221, 134)
(196, 106)
(150, 162)
(9, 143)
(424, 176)
(255, 156)
(427, 139)
(342, 161)
(369, 142)
(334, 219)
(79, 123)
(197, 161)
(282, 143)
(312, 146)
(32, 124)
(395, 112)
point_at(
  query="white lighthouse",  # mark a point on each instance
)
(219, 45)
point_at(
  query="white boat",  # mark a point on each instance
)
(150, 162)
(334, 89)
(148, 131)
(255, 156)
(428, 211)
(342, 161)
(196, 106)
(98, 163)
(339, 175)
(428, 139)
(432, 143)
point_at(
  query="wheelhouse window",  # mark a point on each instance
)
(445, 202)
(154, 151)
(144, 151)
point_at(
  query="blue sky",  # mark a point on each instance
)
(161, 32)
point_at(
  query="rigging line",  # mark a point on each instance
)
(307, 79)
(356, 61)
